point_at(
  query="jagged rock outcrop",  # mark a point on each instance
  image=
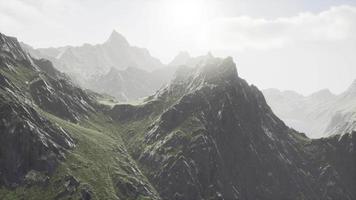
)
(10, 48)
(47, 67)
(61, 98)
(336, 157)
(215, 137)
(28, 142)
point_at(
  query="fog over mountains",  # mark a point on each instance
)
(130, 73)
(100, 66)
(319, 114)
(114, 67)
(197, 129)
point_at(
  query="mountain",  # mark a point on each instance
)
(109, 67)
(184, 58)
(56, 142)
(131, 83)
(344, 112)
(319, 114)
(211, 135)
(83, 63)
(207, 134)
(115, 67)
(115, 52)
(29, 141)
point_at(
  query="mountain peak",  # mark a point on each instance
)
(208, 72)
(117, 38)
(223, 68)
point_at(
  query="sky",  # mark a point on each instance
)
(301, 45)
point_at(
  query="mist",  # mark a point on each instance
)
(275, 44)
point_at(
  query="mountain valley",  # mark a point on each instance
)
(201, 132)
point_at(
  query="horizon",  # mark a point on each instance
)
(298, 45)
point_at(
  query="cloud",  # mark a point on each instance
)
(238, 33)
(41, 21)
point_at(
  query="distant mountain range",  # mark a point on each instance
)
(89, 64)
(319, 114)
(130, 73)
(114, 67)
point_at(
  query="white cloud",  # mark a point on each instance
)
(238, 33)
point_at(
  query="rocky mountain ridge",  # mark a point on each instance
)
(213, 136)
(29, 141)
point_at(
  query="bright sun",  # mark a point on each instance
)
(184, 13)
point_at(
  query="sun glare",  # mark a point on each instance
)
(184, 13)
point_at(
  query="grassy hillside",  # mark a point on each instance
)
(99, 165)
(99, 162)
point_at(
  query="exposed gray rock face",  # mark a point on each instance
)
(318, 115)
(50, 89)
(61, 98)
(30, 146)
(28, 142)
(216, 138)
(47, 67)
(10, 48)
(337, 158)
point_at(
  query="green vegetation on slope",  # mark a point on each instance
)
(99, 162)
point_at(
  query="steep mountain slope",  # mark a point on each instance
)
(210, 135)
(55, 141)
(29, 141)
(318, 115)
